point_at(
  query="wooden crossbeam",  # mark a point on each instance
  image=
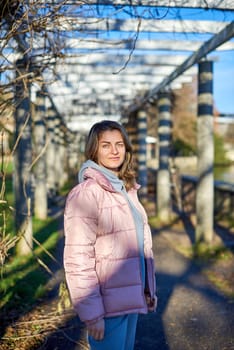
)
(92, 45)
(85, 121)
(226, 34)
(131, 78)
(76, 72)
(83, 89)
(208, 4)
(96, 25)
(100, 59)
(71, 73)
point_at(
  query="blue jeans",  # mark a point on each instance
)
(120, 334)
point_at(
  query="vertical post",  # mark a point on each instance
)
(72, 143)
(142, 154)
(40, 197)
(23, 161)
(131, 129)
(51, 153)
(62, 168)
(57, 161)
(163, 176)
(205, 147)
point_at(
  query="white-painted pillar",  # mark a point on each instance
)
(142, 154)
(205, 147)
(39, 133)
(163, 175)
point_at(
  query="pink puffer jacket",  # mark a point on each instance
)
(101, 257)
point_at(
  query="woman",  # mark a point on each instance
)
(108, 255)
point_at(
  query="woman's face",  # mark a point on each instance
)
(111, 150)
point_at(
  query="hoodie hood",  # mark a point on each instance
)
(104, 177)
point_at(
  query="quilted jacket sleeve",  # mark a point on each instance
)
(80, 226)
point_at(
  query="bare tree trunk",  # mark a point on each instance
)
(40, 193)
(23, 161)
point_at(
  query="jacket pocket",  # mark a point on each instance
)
(122, 273)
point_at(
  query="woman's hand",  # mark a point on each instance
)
(151, 302)
(97, 329)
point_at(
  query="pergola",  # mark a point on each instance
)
(128, 55)
(109, 60)
(117, 55)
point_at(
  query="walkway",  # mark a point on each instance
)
(191, 314)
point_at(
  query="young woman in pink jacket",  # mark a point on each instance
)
(108, 257)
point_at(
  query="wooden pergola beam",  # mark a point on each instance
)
(132, 25)
(210, 4)
(88, 73)
(100, 59)
(226, 34)
(93, 45)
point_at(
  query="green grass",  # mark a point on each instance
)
(23, 278)
(205, 253)
(7, 202)
(7, 166)
(158, 223)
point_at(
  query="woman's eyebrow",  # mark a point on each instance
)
(103, 141)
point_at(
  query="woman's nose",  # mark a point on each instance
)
(114, 149)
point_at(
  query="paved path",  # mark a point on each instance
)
(191, 314)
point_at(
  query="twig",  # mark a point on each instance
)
(132, 50)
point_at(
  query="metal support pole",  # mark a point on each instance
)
(163, 176)
(205, 145)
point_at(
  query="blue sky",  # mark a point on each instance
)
(224, 82)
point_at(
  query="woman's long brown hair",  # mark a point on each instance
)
(126, 172)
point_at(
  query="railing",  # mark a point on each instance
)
(183, 194)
